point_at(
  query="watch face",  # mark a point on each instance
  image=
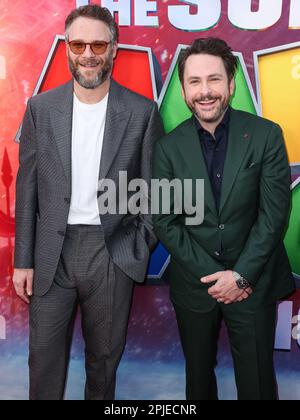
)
(242, 284)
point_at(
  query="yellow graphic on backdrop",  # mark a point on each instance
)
(279, 75)
(296, 67)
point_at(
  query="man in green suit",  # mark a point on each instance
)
(234, 265)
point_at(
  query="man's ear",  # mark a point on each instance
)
(232, 86)
(67, 46)
(182, 91)
(115, 50)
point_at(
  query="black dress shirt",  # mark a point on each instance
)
(214, 150)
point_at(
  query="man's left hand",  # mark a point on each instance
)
(226, 290)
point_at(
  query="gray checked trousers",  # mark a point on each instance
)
(86, 276)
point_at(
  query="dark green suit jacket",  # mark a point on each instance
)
(251, 221)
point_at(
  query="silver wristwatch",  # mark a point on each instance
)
(241, 282)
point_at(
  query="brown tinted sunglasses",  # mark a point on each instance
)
(79, 47)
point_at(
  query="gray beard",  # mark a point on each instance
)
(100, 78)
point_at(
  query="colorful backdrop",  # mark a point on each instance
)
(265, 35)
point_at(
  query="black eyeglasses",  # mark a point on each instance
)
(79, 47)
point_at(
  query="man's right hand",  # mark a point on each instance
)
(23, 283)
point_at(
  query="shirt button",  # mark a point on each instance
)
(222, 227)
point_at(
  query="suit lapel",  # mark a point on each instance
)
(62, 120)
(238, 143)
(117, 119)
(191, 151)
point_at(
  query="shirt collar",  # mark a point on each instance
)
(223, 124)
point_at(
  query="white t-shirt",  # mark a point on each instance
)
(87, 143)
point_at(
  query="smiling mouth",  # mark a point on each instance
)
(89, 66)
(207, 104)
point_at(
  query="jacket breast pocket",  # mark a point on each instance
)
(251, 173)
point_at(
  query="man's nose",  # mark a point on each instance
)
(205, 89)
(88, 52)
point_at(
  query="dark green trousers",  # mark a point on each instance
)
(252, 337)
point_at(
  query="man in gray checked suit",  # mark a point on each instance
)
(65, 252)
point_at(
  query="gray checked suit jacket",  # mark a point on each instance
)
(44, 182)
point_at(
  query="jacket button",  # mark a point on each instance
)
(61, 233)
(222, 227)
(217, 254)
(67, 200)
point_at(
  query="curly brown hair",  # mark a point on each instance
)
(94, 12)
(210, 46)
